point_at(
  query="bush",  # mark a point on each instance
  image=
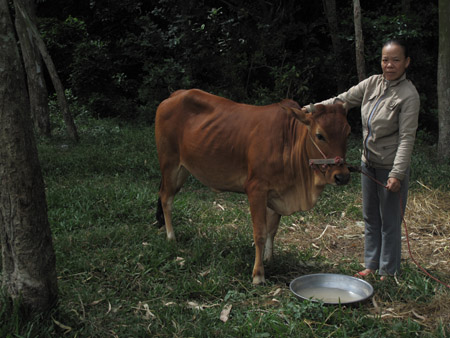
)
(122, 59)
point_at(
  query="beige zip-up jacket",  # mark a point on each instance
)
(390, 113)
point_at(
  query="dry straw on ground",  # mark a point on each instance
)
(428, 222)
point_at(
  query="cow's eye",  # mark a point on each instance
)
(320, 137)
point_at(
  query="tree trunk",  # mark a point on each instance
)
(406, 6)
(359, 41)
(37, 89)
(330, 12)
(31, 28)
(443, 80)
(28, 259)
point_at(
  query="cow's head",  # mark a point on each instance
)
(326, 142)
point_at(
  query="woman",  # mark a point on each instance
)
(389, 110)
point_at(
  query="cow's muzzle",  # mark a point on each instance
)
(342, 179)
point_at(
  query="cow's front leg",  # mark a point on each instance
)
(272, 221)
(258, 200)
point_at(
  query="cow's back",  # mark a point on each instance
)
(215, 138)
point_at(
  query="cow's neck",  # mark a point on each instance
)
(308, 182)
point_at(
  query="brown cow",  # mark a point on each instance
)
(263, 151)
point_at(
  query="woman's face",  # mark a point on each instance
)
(393, 62)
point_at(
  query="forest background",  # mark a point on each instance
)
(122, 58)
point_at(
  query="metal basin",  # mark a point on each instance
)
(331, 288)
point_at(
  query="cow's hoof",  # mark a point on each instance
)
(258, 280)
(171, 236)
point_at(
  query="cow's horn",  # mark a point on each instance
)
(345, 106)
(312, 108)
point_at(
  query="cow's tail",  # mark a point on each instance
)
(160, 213)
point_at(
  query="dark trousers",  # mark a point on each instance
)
(382, 214)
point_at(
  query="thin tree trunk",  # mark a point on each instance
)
(443, 80)
(406, 6)
(359, 41)
(330, 12)
(31, 27)
(28, 259)
(37, 89)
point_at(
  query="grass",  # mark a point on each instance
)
(118, 276)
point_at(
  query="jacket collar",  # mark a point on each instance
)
(395, 82)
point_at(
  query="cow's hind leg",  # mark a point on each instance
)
(273, 219)
(257, 198)
(171, 183)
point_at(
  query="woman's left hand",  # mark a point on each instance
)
(393, 184)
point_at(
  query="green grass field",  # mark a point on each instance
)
(118, 276)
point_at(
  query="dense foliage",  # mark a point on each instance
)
(121, 58)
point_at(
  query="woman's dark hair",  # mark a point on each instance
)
(398, 42)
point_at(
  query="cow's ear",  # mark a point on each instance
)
(300, 114)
